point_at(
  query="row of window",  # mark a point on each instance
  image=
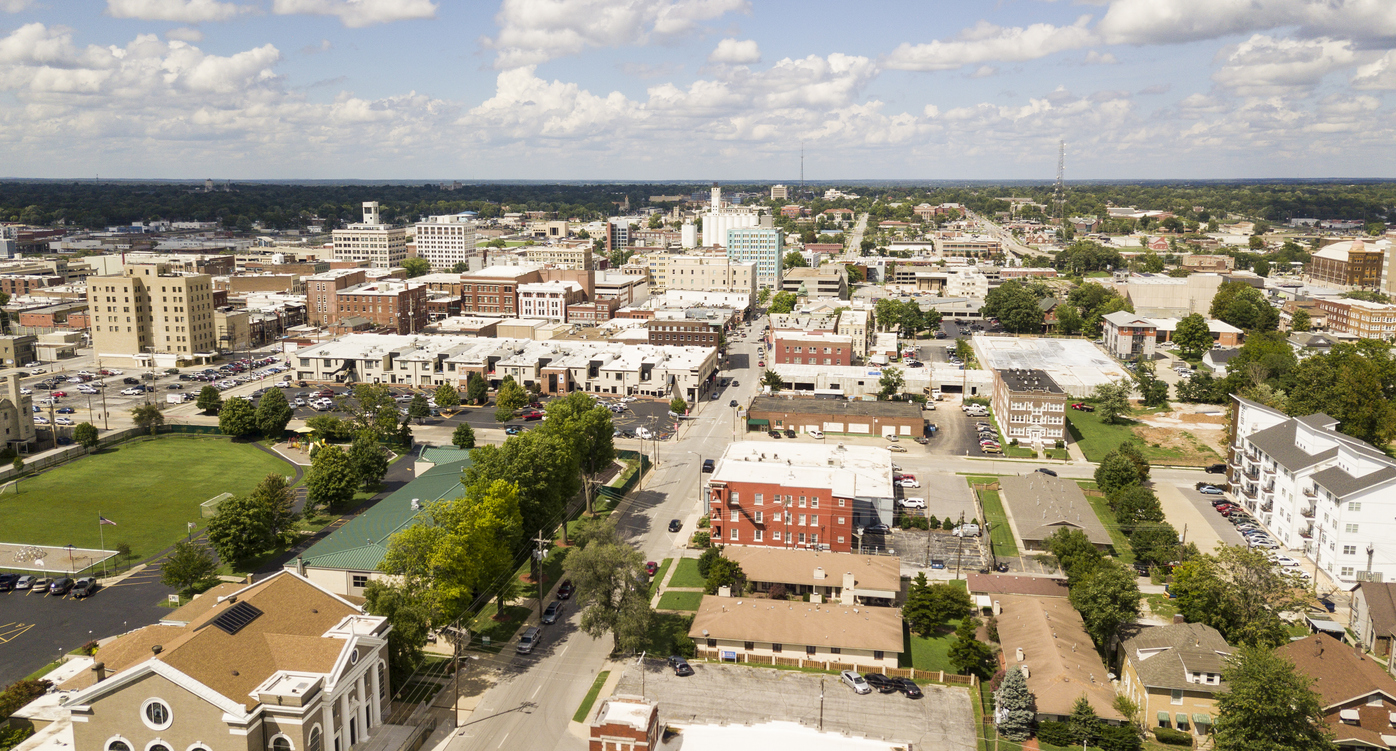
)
(759, 536)
(810, 650)
(759, 518)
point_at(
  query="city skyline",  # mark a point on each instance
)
(655, 90)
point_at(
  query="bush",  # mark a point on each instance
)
(1055, 733)
(1060, 444)
(997, 680)
(777, 591)
(20, 693)
(1173, 737)
(707, 559)
(1119, 738)
(702, 539)
(932, 523)
(948, 524)
(704, 523)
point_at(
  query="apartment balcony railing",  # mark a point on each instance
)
(1267, 507)
(1309, 491)
(1251, 474)
(1235, 460)
(1269, 469)
(1269, 487)
(1307, 531)
(1248, 491)
(1307, 513)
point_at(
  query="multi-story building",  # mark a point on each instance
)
(1173, 674)
(709, 274)
(548, 300)
(17, 350)
(780, 193)
(494, 290)
(1369, 320)
(1029, 406)
(762, 246)
(1208, 263)
(812, 348)
(1347, 264)
(146, 311)
(684, 332)
(321, 289)
(446, 240)
(16, 413)
(277, 665)
(562, 256)
(617, 235)
(799, 495)
(1316, 490)
(387, 304)
(968, 246)
(383, 246)
(1129, 336)
(717, 221)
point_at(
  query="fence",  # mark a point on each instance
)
(939, 676)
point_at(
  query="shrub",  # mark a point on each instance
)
(702, 539)
(777, 591)
(1119, 738)
(1060, 444)
(1173, 737)
(1055, 733)
(997, 680)
(932, 523)
(20, 693)
(948, 524)
(704, 522)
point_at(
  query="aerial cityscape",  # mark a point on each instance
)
(716, 375)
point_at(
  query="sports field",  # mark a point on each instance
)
(150, 488)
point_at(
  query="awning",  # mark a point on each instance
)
(1163, 718)
(1182, 719)
(1202, 719)
(757, 422)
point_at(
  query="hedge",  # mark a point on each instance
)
(1173, 737)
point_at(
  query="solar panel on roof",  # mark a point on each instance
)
(236, 617)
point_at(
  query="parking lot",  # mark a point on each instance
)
(1218, 527)
(733, 694)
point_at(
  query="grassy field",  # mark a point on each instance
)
(680, 601)
(499, 631)
(686, 574)
(590, 698)
(151, 489)
(1161, 606)
(929, 654)
(994, 514)
(659, 575)
(1123, 551)
(1097, 439)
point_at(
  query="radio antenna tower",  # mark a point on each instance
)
(1059, 192)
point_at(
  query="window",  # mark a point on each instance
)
(841, 518)
(877, 654)
(712, 643)
(748, 646)
(382, 681)
(802, 520)
(280, 743)
(841, 503)
(1349, 550)
(734, 515)
(1177, 697)
(118, 746)
(814, 502)
(835, 650)
(734, 534)
(758, 517)
(758, 535)
(1354, 507)
(809, 651)
(802, 501)
(1345, 572)
(1374, 700)
(360, 581)
(776, 647)
(1350, 528)
(775, 536)
(156, 714)
(760, 498)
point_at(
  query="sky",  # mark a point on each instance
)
(654, 90)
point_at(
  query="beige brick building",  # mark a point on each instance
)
(382, 246)
(710, 274)
(146, 310)
(560, 256)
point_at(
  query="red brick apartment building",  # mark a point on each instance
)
(495, 290)
(321, 289)
(799, 495)
(812, 348)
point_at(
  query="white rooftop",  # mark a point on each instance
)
(503, 271)
(622, 712)
(1075, 364)
(847, 471)
(775, 735)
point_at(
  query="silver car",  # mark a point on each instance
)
(855, 682)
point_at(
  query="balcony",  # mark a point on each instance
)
(1248, 491)
(1269, 469)
(1307, 513)
(1235, 460)
(1267, 507)
(1309, 491)
(1269, 487)
(1251, 474)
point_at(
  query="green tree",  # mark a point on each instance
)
(1116, 471)
(331, 480)
(410, 614)
(1261, 267)
(725, 572)
(331, 428)
(1108, 598)
(1269, 706)
(238, 418)
(1016, 706)
(784, 302)
(86, 435)
(1352, 383)
(367, 460)
(611, 592)
(543, 466)
(148, 417)
(510, 397)
(447, 396)
(416, 267)
(1083, 723)
(918, 611)
(1244, 306)
(602, 529)
(418, 409)
(949, 602)
(209, 401)
(241, 528)
(1155, 543)
(273, 413)
(1301, 321)
(678, 406)
(1239, 592)
(763, 295)
(461, 267)
(964, 350)
(463, 437)
(187, 565)
(1152, 391)
(1076, 553)
(1015, 306)
(1112, 400)
(891, 383)
(588, 427)
(969, 655)
(1133, 505)
(1192, 335)
(793, 260)
(771, 379)
(1069, 320)
(476, 390)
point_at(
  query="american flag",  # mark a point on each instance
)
(104, 520)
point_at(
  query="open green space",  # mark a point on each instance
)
(929, 654)
(668, 635)
(498, 631)
(659, 575)
(1118, 541)
(686, 574)
(150, 488)
(680, 601)
(590, 698)
(1161, 606)
(1098, 438)
(999, 532)
(1095, 437)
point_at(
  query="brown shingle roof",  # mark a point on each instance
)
(997, 584)
(799, 623)
(1164, 655)
(201, 603)
(1381, 605)
(788, 566)
(1061, 658)
(1344, 676)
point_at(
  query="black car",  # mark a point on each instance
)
(564, 590)
(882, 683)
(61, 586)
(174, 387)
(680, 666)
(908, 687)
(1046, 471)
(1216, 469)
(7, 582)
(84, 587)
(708, 465)
(675, 525)
(130, 381)
(789, 433)
(732, 403)
(551, 613)
(775, 434)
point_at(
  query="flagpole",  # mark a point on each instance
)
(102, 542)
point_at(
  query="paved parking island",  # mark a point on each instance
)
(735, 694)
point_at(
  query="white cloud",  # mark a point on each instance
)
(179, 11)
(535, 31)
(1264, 66)
(525, 105)
(984, 71)
(14, 6)
(357, 14)
(1379, 75)
(185, 34)
(1170, 21)
(985, 42)
(1096, 58)
(734, 52)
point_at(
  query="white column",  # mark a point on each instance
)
(344, 721)
(375, 702)
(361, 683)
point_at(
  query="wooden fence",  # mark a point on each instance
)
(939, 676)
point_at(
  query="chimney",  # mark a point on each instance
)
(1024, 668)
(846, 595)
(300, 565)
(818, 573)
(1020, 655)
(101, 670)
(1178, 618)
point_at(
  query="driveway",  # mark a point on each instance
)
(732, 694)
(1184, 507)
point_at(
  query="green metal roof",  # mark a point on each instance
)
(442, 454)
(361, 544)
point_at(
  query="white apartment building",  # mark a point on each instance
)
(548, 300)
(382, 245)
(1316, 490)
(446, 240)
(710, 274)
(562, 256)
(762, 246)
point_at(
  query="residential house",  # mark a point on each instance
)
(1357, 695)
(1046, 639)
(1374, 616)
(1173, 673)
(737, 629)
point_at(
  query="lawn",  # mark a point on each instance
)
(659, 575)
(150, 488)
(994, 514)
(686, 575)
(1161, 606)
(680, 601)
(929, 654)
(590, 699)
(1123, 551)
(1097, 439)
(668, 635)
(500, 631)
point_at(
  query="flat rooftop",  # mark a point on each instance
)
(847, 471)
(1076, 365)
(1020, 381)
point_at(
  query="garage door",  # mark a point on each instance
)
(906, 430)
(859, 428)
(833, 427)
(889, 430)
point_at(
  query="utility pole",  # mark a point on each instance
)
(538, 555)
(959, 540)
(821, 705)
(455, 652)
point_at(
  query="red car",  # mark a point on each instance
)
(651, 567)
(59, 394)
(1083, 407)
(761, 363)
(533, 415)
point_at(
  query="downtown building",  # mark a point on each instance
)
(147, 312)
(763, 246)
(1316, 490)
(798, 495)
(446, 240)
(382, 246)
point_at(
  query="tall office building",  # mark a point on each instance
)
(617, 235)
(382, 245)
(146, 311)
(443, 241)
(761, 245)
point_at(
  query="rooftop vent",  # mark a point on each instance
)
(233, 619)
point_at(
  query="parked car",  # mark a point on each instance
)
(991, 449)
(882, 683)
(675, 525)
(708, 465)
(512, 430)
(894, 448)
(815, 433)
(65, 410)
(529, 640)
(651, 567)
(8, 582)
(855, 682)
(1083, 407)
(1209, 490)
(24, 582)
(61, 586)
(913, 502)
(909, 482)
(908, 687)
(84, 587)
(877, 529)
(1216, 469)
(1048, 472)
(551, 612)
(937, 563)
(774, 434)
(967, 530)
(680, 666)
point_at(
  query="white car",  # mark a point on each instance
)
(855, 682)
(40, 420)
(116, 372)
(64, 421)
(643, 433)
(913, 502)
(909, 482)
(26, 390)
(1285, 561)
(282, 384)
(85, 389)
(133, 391)
(967, 530)
(815, 433)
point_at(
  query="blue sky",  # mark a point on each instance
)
(696, 89)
